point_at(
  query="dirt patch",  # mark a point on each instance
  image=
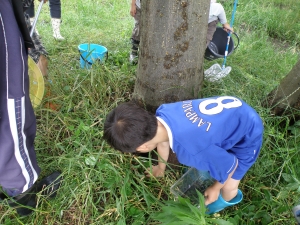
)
(278, 43)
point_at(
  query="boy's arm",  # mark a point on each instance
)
(163, 150)
(223, 19)
(133, 8)
(212, 193)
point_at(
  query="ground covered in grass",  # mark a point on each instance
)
(102, 186)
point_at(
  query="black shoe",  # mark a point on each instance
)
(50, 184)
(26, 202)
(2, 196)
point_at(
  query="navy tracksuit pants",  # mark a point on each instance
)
(18, 165)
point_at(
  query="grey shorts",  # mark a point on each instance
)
(212, 26)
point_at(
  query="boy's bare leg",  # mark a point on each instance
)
(230, 189)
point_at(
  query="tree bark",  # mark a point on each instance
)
(173, 42)
(285, 99)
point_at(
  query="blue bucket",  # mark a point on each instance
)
(90, 53)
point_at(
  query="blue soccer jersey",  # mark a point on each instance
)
(214, 133)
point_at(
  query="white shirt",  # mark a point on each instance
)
(217, 12)
(138, 3)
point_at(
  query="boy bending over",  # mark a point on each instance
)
(222, 135)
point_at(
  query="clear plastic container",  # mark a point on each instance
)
(191, 181)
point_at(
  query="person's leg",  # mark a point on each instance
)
(247, 153)
(30, 10)
(31, 14)
(230, 189)
(19, 170)
(55, 13)
(18, 165)
(135, 37)
(229, 196)
(39, 53)
(246, 158)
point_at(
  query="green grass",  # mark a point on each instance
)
(102, 186)
(277, 18)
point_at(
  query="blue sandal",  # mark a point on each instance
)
(221, 204)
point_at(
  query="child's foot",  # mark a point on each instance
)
(221, 204)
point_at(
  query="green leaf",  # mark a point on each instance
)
(219, 222)
(283, 194)
(292, 186)
(121, 222)
(268, 195)
(287, 177)
(281, 209)
(183, 212)
(266, 218)
(297, 123)
(202, 208)
(90, 161)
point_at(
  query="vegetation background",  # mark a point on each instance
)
(102, 186)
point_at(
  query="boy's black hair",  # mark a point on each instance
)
(129, 126)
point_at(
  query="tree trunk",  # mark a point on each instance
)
(285, 98)
(173, 42)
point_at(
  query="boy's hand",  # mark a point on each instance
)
(133, 10)
(227, 27)
(155, 171)
(211, 195)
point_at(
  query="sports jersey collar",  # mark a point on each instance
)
(168, 131)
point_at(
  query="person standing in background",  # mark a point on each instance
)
(135, 11)
(216, 14)
(19, 170)
(55, 13)
(38, 53)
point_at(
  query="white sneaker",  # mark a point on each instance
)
(133, 59)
